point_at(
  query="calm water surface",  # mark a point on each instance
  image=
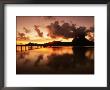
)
(55, 60)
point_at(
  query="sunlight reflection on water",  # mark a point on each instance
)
(55, 60)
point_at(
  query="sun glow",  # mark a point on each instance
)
(43, 40)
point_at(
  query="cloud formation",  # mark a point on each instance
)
(91, 29)
(65, 30)
(21, 36)
(69, 30)
(40, 34)
(49, 17)
(26, 30)
(58, 30)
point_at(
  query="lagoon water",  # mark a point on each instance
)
(55, 60)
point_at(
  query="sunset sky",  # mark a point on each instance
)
(43, 29)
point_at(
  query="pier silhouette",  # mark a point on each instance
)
(75, 42)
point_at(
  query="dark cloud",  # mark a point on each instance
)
(65, 30)
(40, 34)
(91, 29)
(49, 17)
(21, 36)
(26, 30)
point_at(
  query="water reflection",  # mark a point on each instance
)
(56, 60)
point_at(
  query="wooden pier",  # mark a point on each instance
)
(27, 47)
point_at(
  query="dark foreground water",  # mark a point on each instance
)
(55, 60)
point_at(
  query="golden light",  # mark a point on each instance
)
(90, 36)
(90, 54)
